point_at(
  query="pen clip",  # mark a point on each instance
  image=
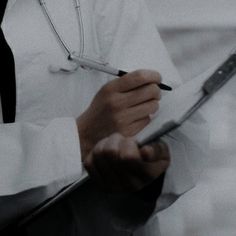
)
(82, 61)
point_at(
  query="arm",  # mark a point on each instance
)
(134, 43)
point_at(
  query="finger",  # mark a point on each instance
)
(161, 150)
(141, 111)
(136, 127)
(108, 146)
(142, 94)
(129, 151)
(104, 164)
(148, 154)
(112, 168)
(155, 162)
(153, 170)
(129, 155)
(90, 165)
(138, 175)
(156, 151)
(136, 79)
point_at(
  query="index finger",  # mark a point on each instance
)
(137, 79)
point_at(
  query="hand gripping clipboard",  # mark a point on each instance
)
(189, 104)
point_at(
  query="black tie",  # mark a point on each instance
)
(7, 70)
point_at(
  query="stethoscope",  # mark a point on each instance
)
(77, 59)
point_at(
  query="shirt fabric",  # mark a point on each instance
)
(44, 155)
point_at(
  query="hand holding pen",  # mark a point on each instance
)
(118, 107)
(86, 63)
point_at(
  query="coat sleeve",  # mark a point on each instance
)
(134, 43)
(35, 163)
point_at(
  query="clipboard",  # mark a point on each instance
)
(180, 105)
(175, 108)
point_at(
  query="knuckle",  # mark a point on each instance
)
(106, 152)
(98, 149)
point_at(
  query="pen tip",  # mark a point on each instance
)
(165, 87)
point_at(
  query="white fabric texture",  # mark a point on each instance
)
(123, 34)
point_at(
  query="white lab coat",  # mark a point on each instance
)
(40, 153)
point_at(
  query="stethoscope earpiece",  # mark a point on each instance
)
(76, 59)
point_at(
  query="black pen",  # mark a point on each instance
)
(161, 85)
(86, 63)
